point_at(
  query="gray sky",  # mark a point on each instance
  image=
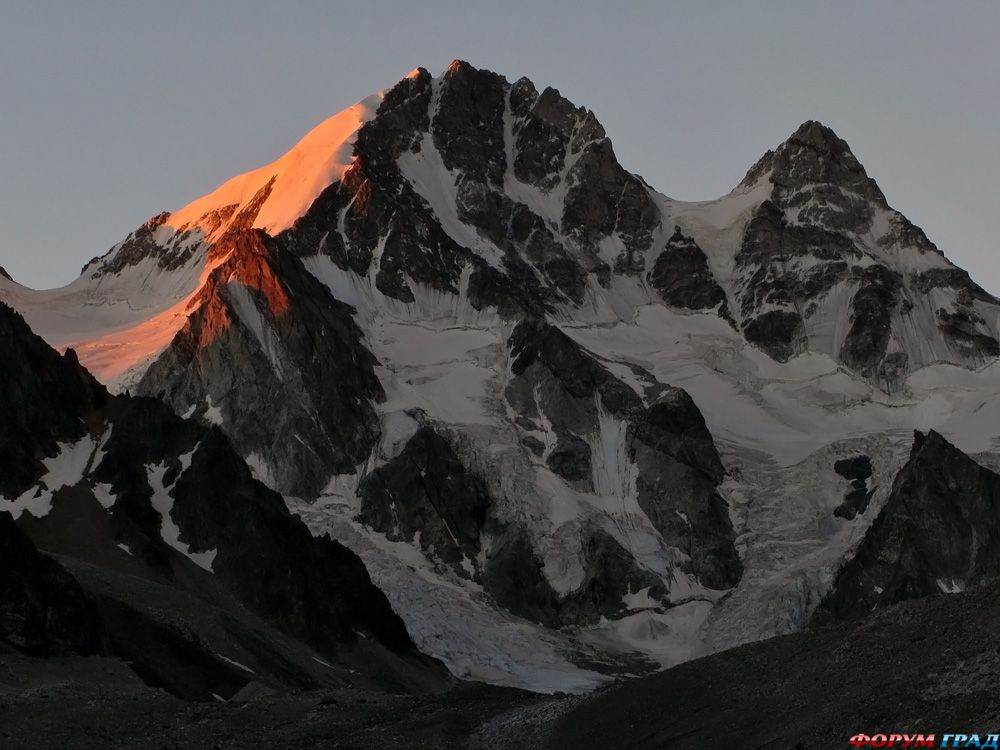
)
(115, 111)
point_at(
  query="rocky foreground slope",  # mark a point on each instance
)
(922, 667)
(571, 426)
(919, 666)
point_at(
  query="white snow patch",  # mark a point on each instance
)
(235, 663)
(640, 600)
(212, 413)
(170, 532)
(950, 586)
(442, 369)
(66, 469)
(105, 496)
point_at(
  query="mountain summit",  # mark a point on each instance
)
(550, 408)
(814, 154)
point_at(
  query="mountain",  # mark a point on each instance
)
(572, 427)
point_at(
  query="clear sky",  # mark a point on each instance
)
(115, 111)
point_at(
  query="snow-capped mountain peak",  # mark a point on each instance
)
(316, 161)
(531, 391)
(813, 154)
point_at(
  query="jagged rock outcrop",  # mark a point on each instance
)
(427, 496)
(664, 445)
(937, 533)
(374, 208)
(857, 469)
(515, 578)
(427, 493)
(314, 587)
(468, 126)
(542, 259)
(148, 242)
(604, 200)
(826, 225)
(550, 129)
(682, 277)
(264, 332)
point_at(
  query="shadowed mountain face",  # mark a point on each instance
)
(269, 352)
(43, 610)
(48, 398)
(939, 532)
(549, 407)
(132, 495)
